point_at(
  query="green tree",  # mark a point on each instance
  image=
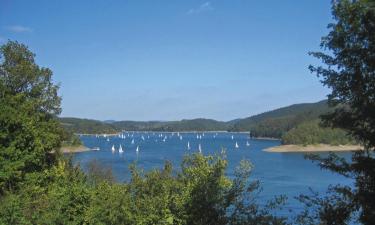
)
(349, 71)
(58, 195)
(29, 132)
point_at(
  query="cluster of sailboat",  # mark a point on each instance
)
(161, 136)
(121, 150)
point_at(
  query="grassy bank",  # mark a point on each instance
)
(74, 149)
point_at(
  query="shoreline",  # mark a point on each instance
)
(74, 149)
(192, 131)
(266, 138)
(314, 148)
(99, 134)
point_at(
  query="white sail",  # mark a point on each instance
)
(236, 145)
(232, 137)
(188, 145)
(113, 148)
(132, 141)
(137, 149)
(120, 149)
(247, 143)
(180, 137)
(200, 148)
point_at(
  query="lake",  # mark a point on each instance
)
(279, 173)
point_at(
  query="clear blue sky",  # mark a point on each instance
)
(169, 60)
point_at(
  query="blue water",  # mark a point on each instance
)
(279, 173)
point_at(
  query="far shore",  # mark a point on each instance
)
(74, 149)
(191, 131)
(99, 134)
(314, 148)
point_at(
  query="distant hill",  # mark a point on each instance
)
(86, 126)
(277, 122)
(274, 123)
(183, 125)
(295, 124)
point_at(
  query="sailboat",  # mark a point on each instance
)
(132, 141)
(247, 143)
(120, 150)
(236, 145)
(188, 145)
(180, 137)
(232, 137)
(113, 148)
(137, 149)
(200, 148)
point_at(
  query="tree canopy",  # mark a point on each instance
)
(29, 132)
(348, 69)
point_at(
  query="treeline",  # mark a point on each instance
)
(311, 132)
(86, 126)
(96, 127)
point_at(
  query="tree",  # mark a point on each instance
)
(349, 71)
(29, 132)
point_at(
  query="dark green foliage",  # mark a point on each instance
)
(58, 195)
(309, 133)
(349, 71)
(29, 103)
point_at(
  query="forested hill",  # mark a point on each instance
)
(274, 123)
(277, 122)
(86, 126)
(94, 126)
(183, 125)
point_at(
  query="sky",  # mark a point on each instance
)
(173, 60)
